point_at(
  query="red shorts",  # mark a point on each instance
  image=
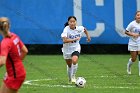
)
(14, 83)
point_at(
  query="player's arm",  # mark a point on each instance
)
(2, 60)
(67, 40)
(4, 52)
(128, 31)
(131, 34)
(88, 36)
(24, 52)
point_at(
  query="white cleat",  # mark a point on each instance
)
(129, 73)
(139, 73)
(73, 80)
(128, 70)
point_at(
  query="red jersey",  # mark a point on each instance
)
(10, 47)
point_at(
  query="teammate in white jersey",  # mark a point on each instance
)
(133, 30)
(71, 48)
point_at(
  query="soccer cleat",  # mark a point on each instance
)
(139, 73)
(73, 80)
(128, 69)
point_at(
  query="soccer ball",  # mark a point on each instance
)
(80, 82)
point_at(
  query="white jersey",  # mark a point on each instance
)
(68, 48)
(135, 28)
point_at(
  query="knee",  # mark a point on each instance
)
(74, 59)
(69, 65)
(133, 59)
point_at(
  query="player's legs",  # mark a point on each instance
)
(133, 55)
(68, 60)
(139, 61)
(131, 61)
(4, 89)
(75, 56)
(69, 68)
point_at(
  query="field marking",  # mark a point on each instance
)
(31, 82)
(106, 76)
(97, 86)
(115, 87)
(102, 76)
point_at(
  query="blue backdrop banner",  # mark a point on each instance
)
(42, 21)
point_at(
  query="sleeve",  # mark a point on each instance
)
(129, 27)
(21, 44)
(81, 28)
(64, 34)
(5, 47)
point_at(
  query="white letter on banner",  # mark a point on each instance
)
(138, 5)
(100, 27)
(118, 5)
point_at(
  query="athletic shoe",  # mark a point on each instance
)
(73, 80)
(128, 70)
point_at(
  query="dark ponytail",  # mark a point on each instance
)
(66, 24)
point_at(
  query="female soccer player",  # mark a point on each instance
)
(71, 48)
(12, 52)
(133, 30)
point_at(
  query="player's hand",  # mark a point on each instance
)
(88, 39)
(135, 35)
(78, 38)
(74, 40)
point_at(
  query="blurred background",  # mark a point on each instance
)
(39, 23)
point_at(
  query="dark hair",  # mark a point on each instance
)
(3, 25)
(66, 24)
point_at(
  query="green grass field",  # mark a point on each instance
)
(103, 73)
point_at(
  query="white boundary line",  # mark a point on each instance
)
(115, 87)
(32, 83)
(106, 76)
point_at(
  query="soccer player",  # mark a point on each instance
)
(133, 30)
(71, 48)
(12, 52)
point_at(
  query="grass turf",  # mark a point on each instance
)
(103, 73)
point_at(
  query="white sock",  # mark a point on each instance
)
(129, 63)
(74, 68)
(69, 72)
